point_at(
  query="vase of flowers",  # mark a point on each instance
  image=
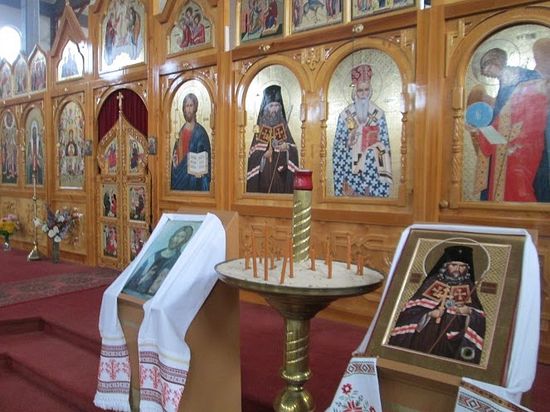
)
(8, 225)
(57, 226)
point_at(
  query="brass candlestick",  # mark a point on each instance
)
(34, 254)
(297, 305)
(301, 215)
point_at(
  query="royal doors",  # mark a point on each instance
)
(124, 189)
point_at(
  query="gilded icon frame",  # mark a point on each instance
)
(497, 288)
(204, 118)
(71, 64)
(305, 17)
(250, 28)
(364, 8)
(34, 121)
(506, 170)
(119, 49)
(387, 99)
(272, 77)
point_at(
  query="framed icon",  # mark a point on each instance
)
(160, 253)
(451, 303)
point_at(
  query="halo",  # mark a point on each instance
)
(204, 110)
(508, 46)
(8, 115)
(33, 119)
(272, 75)
(373, 58)
(479, 251)
(69, 130)
(285, 96)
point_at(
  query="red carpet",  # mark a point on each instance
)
(41, 346)
(14, 266)
(46, 286)
(13, 382)
(49, 351)
(25, 281)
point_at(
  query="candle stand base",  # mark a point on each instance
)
(291, 400)
(34, 254)
(5, 236)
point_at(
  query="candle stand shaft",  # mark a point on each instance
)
(295, 370)
(301, 225)
(297, 312)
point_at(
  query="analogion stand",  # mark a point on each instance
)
(213, 338)
(298, 300)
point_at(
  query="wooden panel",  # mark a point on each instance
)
(213, 338)
(415, 388)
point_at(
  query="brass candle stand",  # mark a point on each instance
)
(297, 305)
(34, 253)
(306, 292)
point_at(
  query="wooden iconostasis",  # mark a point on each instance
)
(202, 105)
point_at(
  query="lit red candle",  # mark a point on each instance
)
(303, 180)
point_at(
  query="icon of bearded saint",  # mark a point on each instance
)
(273, 156)
(444, 317)
(361, 151)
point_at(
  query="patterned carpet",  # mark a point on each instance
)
(46, 286)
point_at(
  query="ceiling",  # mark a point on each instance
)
(54, 8)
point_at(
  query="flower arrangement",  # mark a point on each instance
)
(58, 224)
(8, 225)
